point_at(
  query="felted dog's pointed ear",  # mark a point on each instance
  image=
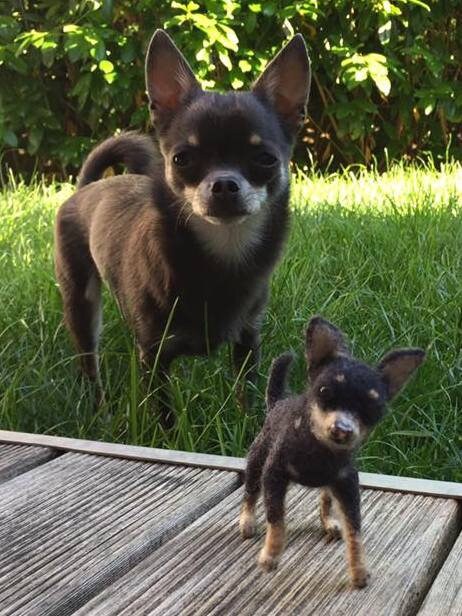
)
(169, 78)
(397, 366)
(285, 82)
(324, 342)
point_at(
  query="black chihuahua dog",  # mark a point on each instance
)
(189, 237)
(311, 438)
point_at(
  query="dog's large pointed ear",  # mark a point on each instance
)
(169, 78)
(286, 81)
(324, 342)
(397, 366)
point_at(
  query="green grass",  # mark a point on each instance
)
(378, 255)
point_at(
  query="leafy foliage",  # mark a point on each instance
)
(386, 73)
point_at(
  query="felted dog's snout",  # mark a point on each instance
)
(342, 430)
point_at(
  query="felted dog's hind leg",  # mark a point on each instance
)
(275, 487)
(330, 524)
(252, 487)
(346, 491)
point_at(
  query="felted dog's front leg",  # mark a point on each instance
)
(346, 491)
(330, 524)
(275, 488)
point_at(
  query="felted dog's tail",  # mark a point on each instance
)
(277, 380)
(133, 150)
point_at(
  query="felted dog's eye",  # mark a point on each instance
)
(265, 159)
(323, 389)
(182, 159)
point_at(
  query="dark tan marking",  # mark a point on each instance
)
(247, 520)
(329, 523)
(355, 556)
(274, 545)
(325, 503)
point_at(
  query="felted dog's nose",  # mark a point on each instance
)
(224, 186)
(341, 431)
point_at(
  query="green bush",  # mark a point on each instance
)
(386, 74)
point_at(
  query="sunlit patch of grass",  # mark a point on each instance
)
(378, 255)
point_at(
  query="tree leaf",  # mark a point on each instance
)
(106, 66)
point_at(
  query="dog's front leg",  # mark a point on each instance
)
(246, 351)
(246, 359)
(155, 364)
(346, 492)
(158, 382)
(275, 488)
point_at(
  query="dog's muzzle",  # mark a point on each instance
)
(342, 431)
(224, 200)
(227, 197)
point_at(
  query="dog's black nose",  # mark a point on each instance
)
(341, 431)
(225, 186)
(225, 196)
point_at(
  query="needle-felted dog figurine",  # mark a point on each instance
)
(311, 438)
(190, 236)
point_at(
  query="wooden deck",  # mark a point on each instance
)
(96, 528)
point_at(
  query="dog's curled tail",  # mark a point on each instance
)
(277, 380)
(135, 151)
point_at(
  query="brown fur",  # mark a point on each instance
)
(274, 544)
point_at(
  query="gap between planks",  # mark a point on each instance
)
(445, 489)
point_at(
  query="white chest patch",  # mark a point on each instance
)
(231, 243)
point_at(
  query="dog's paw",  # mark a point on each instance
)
(359, 577)
(333, 530)
(247, 526)
(266, 561)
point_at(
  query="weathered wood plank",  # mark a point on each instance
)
(17, 459)
(446, 489)
(445, 595)
(72, 526)
(131, 452)
(208, 570)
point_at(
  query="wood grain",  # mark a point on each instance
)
(208, 570)
(17, 459)
(412, 485)
(74, 525)
(445, 596)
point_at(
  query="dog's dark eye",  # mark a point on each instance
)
(323, 390)
(182, 159)
(265, 159)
